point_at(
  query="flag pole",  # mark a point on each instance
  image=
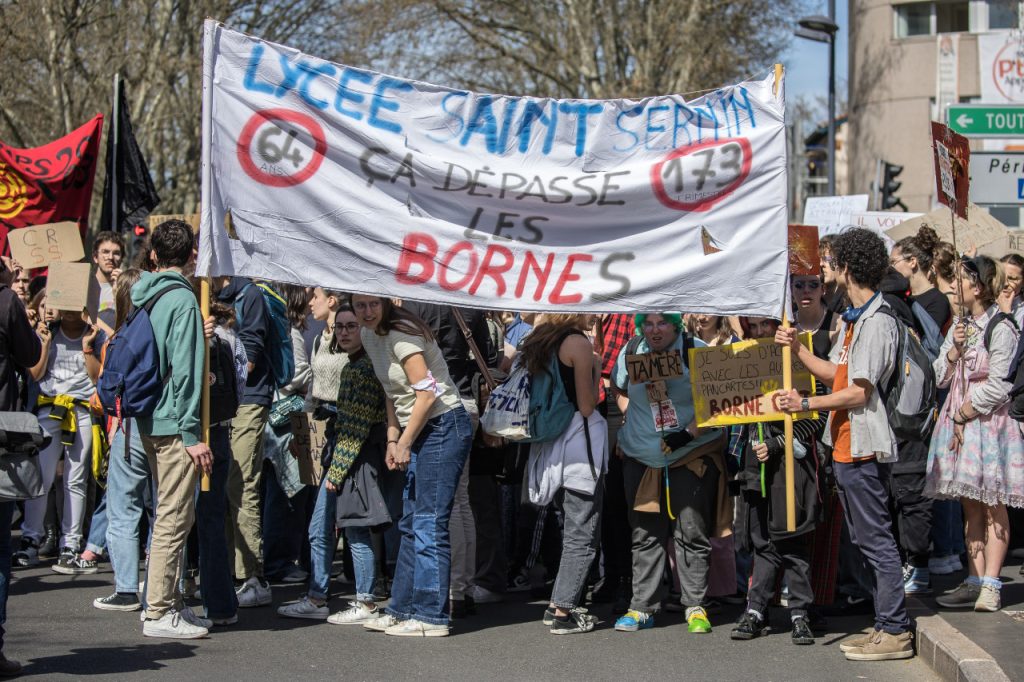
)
(115, 212)
(787, 385)
(204, 307)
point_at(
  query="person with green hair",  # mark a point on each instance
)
(674, 474)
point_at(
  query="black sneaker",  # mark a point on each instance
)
(578, 620)
(460, 608)
(749, 626)
(77, 566)
(802, 631)
(65, 563)
(28, 555)
(549, 617)
(118, 602)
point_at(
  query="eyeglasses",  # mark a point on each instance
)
(894, 261)
(366, 305)
(660, 324)
(349, 327)
(970, 268)
(810, 285)
(829, 261)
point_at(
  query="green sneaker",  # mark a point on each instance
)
(697, 620)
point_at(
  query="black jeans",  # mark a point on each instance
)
(913, 517)
(771, 556)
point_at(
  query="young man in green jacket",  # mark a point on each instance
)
(171, 435)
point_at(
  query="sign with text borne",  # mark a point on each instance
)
(318, 173)
(736, 383)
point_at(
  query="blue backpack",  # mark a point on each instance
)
(550, 409)
(131, 385)
(279, 339)
(931, 334)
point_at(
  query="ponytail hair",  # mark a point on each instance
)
(921, 246)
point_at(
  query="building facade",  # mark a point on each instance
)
(909, 60)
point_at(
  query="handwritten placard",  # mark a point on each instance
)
(654, 366)
(309, 437)
(191, 218)
(736, 383)
(67, 286)
(37, 247)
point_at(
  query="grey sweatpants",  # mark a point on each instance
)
(693, 504)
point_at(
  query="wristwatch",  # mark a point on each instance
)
(805, 404)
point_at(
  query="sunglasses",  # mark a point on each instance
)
(811, 285)
(970, 268)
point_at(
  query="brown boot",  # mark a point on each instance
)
(884, 647)
(9, 668)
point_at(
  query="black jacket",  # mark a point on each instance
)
(20, 349)
(253, 326)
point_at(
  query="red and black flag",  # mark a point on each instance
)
(128, 187)
(51, 183)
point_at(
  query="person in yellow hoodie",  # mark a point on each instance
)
(171, 436)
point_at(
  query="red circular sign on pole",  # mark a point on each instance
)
(278, 148)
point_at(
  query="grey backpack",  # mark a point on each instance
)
(21, 439)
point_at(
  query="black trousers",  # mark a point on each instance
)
(913, 516)
(792, 555)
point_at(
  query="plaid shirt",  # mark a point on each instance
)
(617, 329)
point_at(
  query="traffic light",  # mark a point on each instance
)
(139, 238)
(890, 186)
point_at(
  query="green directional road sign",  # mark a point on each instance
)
(986, 120)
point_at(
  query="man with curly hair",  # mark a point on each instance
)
(863, 444)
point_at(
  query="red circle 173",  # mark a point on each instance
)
(696, 178)
(281, 147)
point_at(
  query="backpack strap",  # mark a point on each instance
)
(901, 342)
(991, 326)
(151, 303)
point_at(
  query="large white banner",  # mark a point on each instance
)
(322, 174)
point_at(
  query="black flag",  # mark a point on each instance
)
(128, 183)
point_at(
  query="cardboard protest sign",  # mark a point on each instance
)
(979, 230)
(735, 383)
(38, 246)
(654, 366)
(832, 214)
(359, 181)
(191, 218)
(68, 286)
(309, 436)
(952, 164)
(804, 258)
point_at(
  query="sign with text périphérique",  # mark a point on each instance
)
(319, 173)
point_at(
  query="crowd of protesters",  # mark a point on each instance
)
(632, 504)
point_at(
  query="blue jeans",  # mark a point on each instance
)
(321, 541)
(219, 597)
(947, 528)
(6, 514)
(364, 563)
(423, 573)
(129, 495)
(97, 542)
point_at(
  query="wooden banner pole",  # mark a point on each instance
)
(204, 307)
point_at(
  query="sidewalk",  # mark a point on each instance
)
(962, 645)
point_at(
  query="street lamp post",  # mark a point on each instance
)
(823, 30)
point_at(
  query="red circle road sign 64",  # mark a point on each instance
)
(698, 177)
(286, 161)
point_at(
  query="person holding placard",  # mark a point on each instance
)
(67, 371)
(107, 253)
(863, 443)
(674, 473)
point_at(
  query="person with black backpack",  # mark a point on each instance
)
(977, 452)
(862, 362)
(171, 434)
(567, 463)
(674, 475)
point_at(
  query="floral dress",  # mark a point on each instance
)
(990, 464)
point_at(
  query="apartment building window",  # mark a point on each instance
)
(955, 16)
(1003, 14)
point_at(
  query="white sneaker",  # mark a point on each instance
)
(173, 626)
(417, 628)
(193, 618)
(482, 595)
(254, 593)
(358, 613)
(381, 624)
(230, 620)
(304, 608)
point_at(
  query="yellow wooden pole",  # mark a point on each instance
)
(787, 385)
(204, 307)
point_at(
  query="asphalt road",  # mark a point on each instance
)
(57, 634)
